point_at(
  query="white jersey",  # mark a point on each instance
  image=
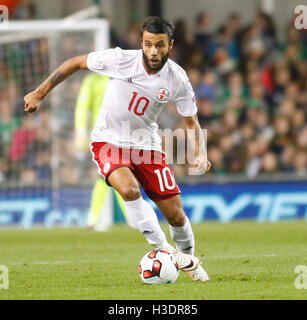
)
(133, 99)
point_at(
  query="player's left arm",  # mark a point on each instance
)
(201, 161)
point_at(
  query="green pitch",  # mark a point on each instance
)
(245, 260)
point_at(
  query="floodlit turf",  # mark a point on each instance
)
(245, 260)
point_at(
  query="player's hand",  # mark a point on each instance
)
(32, 102)
(203, 165)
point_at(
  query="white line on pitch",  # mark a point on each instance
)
(56, 262)
(205, 257)
(240, 256)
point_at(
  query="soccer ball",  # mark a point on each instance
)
(158, 267)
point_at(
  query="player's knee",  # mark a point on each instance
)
(130, 193)
(177, 219)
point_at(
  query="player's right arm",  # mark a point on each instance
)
(33, 99)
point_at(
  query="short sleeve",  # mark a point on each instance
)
(105, 62)
(185, 99)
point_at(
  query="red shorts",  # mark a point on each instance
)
(149, 167)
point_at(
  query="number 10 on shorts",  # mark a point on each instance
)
(163, 179)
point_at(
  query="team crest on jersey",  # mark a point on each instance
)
(162, 94)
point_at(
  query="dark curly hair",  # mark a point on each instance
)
(158, 25)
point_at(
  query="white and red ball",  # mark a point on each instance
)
(158, 267)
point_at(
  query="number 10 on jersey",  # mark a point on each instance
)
(138, 106)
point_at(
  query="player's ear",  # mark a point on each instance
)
(171, 44)
(141, 39)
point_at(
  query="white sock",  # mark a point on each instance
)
(165, 246)
(183, 237)
(143, 216)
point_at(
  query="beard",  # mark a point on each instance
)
(158, 67)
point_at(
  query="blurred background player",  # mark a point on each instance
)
(87, 109)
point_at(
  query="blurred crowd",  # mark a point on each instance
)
(251, 93)
(251, 90)
(25, 142)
